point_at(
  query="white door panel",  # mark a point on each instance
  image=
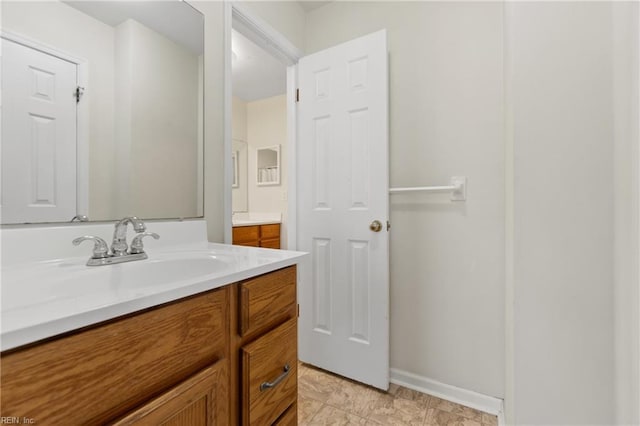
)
(343, 187)
(38, 136)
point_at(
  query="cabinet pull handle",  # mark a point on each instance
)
(268, 385)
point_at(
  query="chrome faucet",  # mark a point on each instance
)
(118, 253)
(119, 243)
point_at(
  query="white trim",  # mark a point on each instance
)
(636, 213)
(240, 17)
(292, 163)
(228, 125)
(465, 397)
(264, 35)
(82, 113)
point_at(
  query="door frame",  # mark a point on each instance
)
(256, 29)
(82, 113)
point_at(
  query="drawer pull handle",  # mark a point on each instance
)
(269, 385)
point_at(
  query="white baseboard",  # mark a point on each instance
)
(488, 404)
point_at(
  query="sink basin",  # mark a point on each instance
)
(47, 282)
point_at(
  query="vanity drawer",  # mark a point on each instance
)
(267, 300)
(274, 244)
(273, 359)
(270, 231)
(289, 418)
(244, 234)
(96, 375)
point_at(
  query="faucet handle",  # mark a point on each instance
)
(136, 244)
(100, 248)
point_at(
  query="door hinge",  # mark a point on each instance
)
(78, 93)
(298, 310)
(297, 95)
(388, 226)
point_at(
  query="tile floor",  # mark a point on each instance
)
(327, 399)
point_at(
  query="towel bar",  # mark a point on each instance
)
(458, 188)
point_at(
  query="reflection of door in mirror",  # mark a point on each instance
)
(142, 107)
(39, 136)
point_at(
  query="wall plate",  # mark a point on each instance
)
(459, 194)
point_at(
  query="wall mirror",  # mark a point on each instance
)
(268, 165)
(103, 110)
(239, 189)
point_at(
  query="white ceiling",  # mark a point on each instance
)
(175, 19)
(256, 74)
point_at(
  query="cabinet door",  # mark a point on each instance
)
(266, 301)
(269, 375)
(274, 244)
(289, 418)
(246, 235)
(104, 372)
(198, 401)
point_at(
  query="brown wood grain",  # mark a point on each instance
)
(103, 372)
(263, 361)
(289, 418)
(257, 236)
(246, 235)
(267, 300)
(198, 401)
(270, 231)
(274, 244)
(234, 359)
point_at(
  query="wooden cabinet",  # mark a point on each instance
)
(198, 401)
(246, 235)
(265, 336)
(99, 374)
(267, 236)
(196, 361)
(269, 375)
(289, 418)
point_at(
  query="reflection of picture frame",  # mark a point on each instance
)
(234, 165)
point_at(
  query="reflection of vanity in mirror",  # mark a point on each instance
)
(103, 110)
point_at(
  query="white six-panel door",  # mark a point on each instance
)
(38, 136)
(343, 187)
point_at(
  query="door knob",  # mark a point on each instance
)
(375, 226)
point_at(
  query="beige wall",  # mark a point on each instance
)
(162, 126)
(62, 27)
(214, 188)
(267, 126)
(287, 17)
(446, 119)
(626, 42)
(561, 92)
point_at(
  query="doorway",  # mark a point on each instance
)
(343, 287)
(259, 137)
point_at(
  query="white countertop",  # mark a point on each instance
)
(247, 222)
(45, 298)
(252, 219)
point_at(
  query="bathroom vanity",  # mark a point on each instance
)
(257, 229)
(218, 347)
